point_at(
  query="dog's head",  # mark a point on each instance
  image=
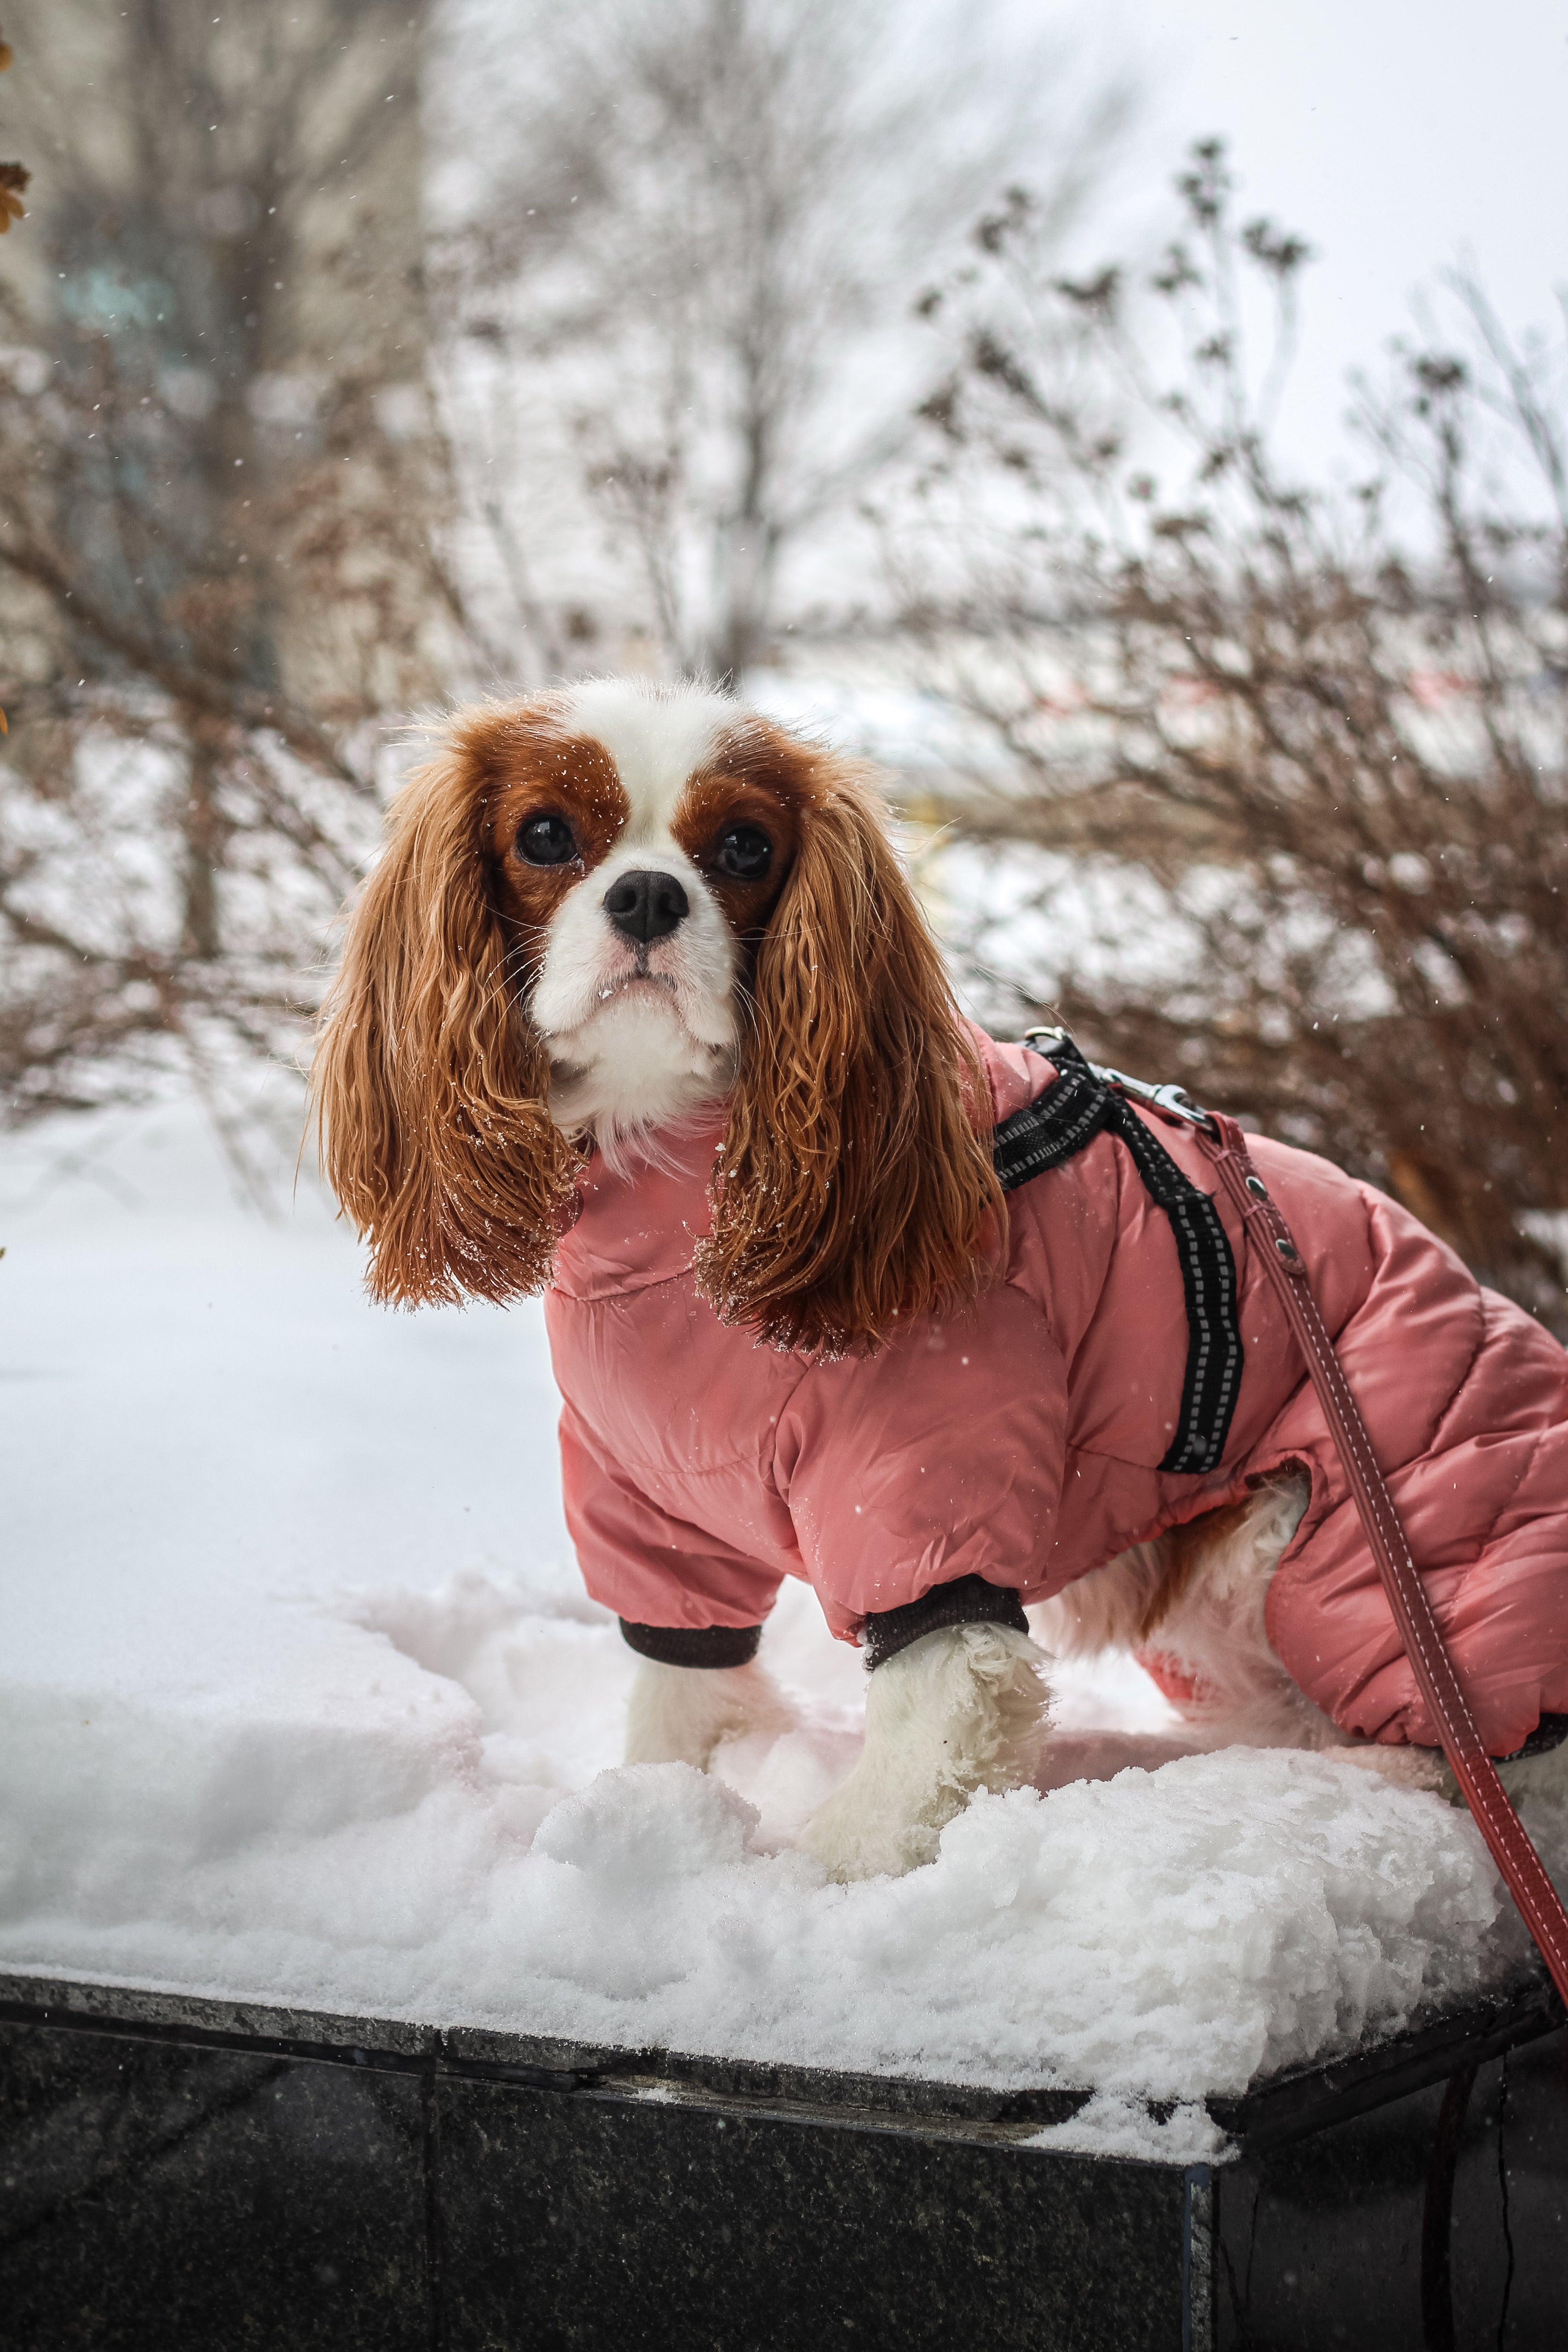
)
(600, 908)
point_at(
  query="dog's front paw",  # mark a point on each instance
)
(855, 1837)
(961, 1709)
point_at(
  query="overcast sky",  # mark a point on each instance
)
(1396, 136)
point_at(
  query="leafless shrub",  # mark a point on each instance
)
(1310, 749)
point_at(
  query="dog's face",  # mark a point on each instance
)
(602, 907)
(637, 847)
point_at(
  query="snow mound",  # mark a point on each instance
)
(454, 1845)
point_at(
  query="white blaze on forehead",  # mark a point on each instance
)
(656, 735)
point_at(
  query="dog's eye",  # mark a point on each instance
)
(746, 852)
(546, 841)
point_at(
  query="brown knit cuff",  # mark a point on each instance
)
(968, 1601)
(693, 1645)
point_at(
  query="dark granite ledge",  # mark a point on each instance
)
(1286, 2107)
(184, 2174)
(1272, 2111)
(191, 2175)
(141, 2009)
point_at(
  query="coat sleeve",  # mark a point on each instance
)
(940, 1458)
(649, 1568)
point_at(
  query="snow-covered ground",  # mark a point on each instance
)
(301, 1699)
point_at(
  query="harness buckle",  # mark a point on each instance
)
(1172, 1100)
(1175, 1101)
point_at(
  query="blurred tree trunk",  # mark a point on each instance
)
(200, 936)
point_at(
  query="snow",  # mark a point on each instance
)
(1111, 2124)
(301, 1699)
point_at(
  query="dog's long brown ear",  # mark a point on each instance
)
(856, 1187)
(428, 1083)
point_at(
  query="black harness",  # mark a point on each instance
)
(1084, 1101)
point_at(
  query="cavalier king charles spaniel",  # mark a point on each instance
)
(602, 914)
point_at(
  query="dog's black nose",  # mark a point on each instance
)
(644, 905)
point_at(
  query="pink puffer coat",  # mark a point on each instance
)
(1036, 1436)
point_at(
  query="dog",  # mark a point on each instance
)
(639, 1009)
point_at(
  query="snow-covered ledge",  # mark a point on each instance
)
(302, 1706)
(300, 1700)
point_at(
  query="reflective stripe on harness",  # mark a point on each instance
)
(1081, 1103)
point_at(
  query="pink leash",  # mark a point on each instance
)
(1522, 1867)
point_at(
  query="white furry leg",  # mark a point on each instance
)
(960, 1709)
(679, 1715)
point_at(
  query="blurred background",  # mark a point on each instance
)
(1145, 435)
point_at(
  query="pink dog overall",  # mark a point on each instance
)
(1131, 1369)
